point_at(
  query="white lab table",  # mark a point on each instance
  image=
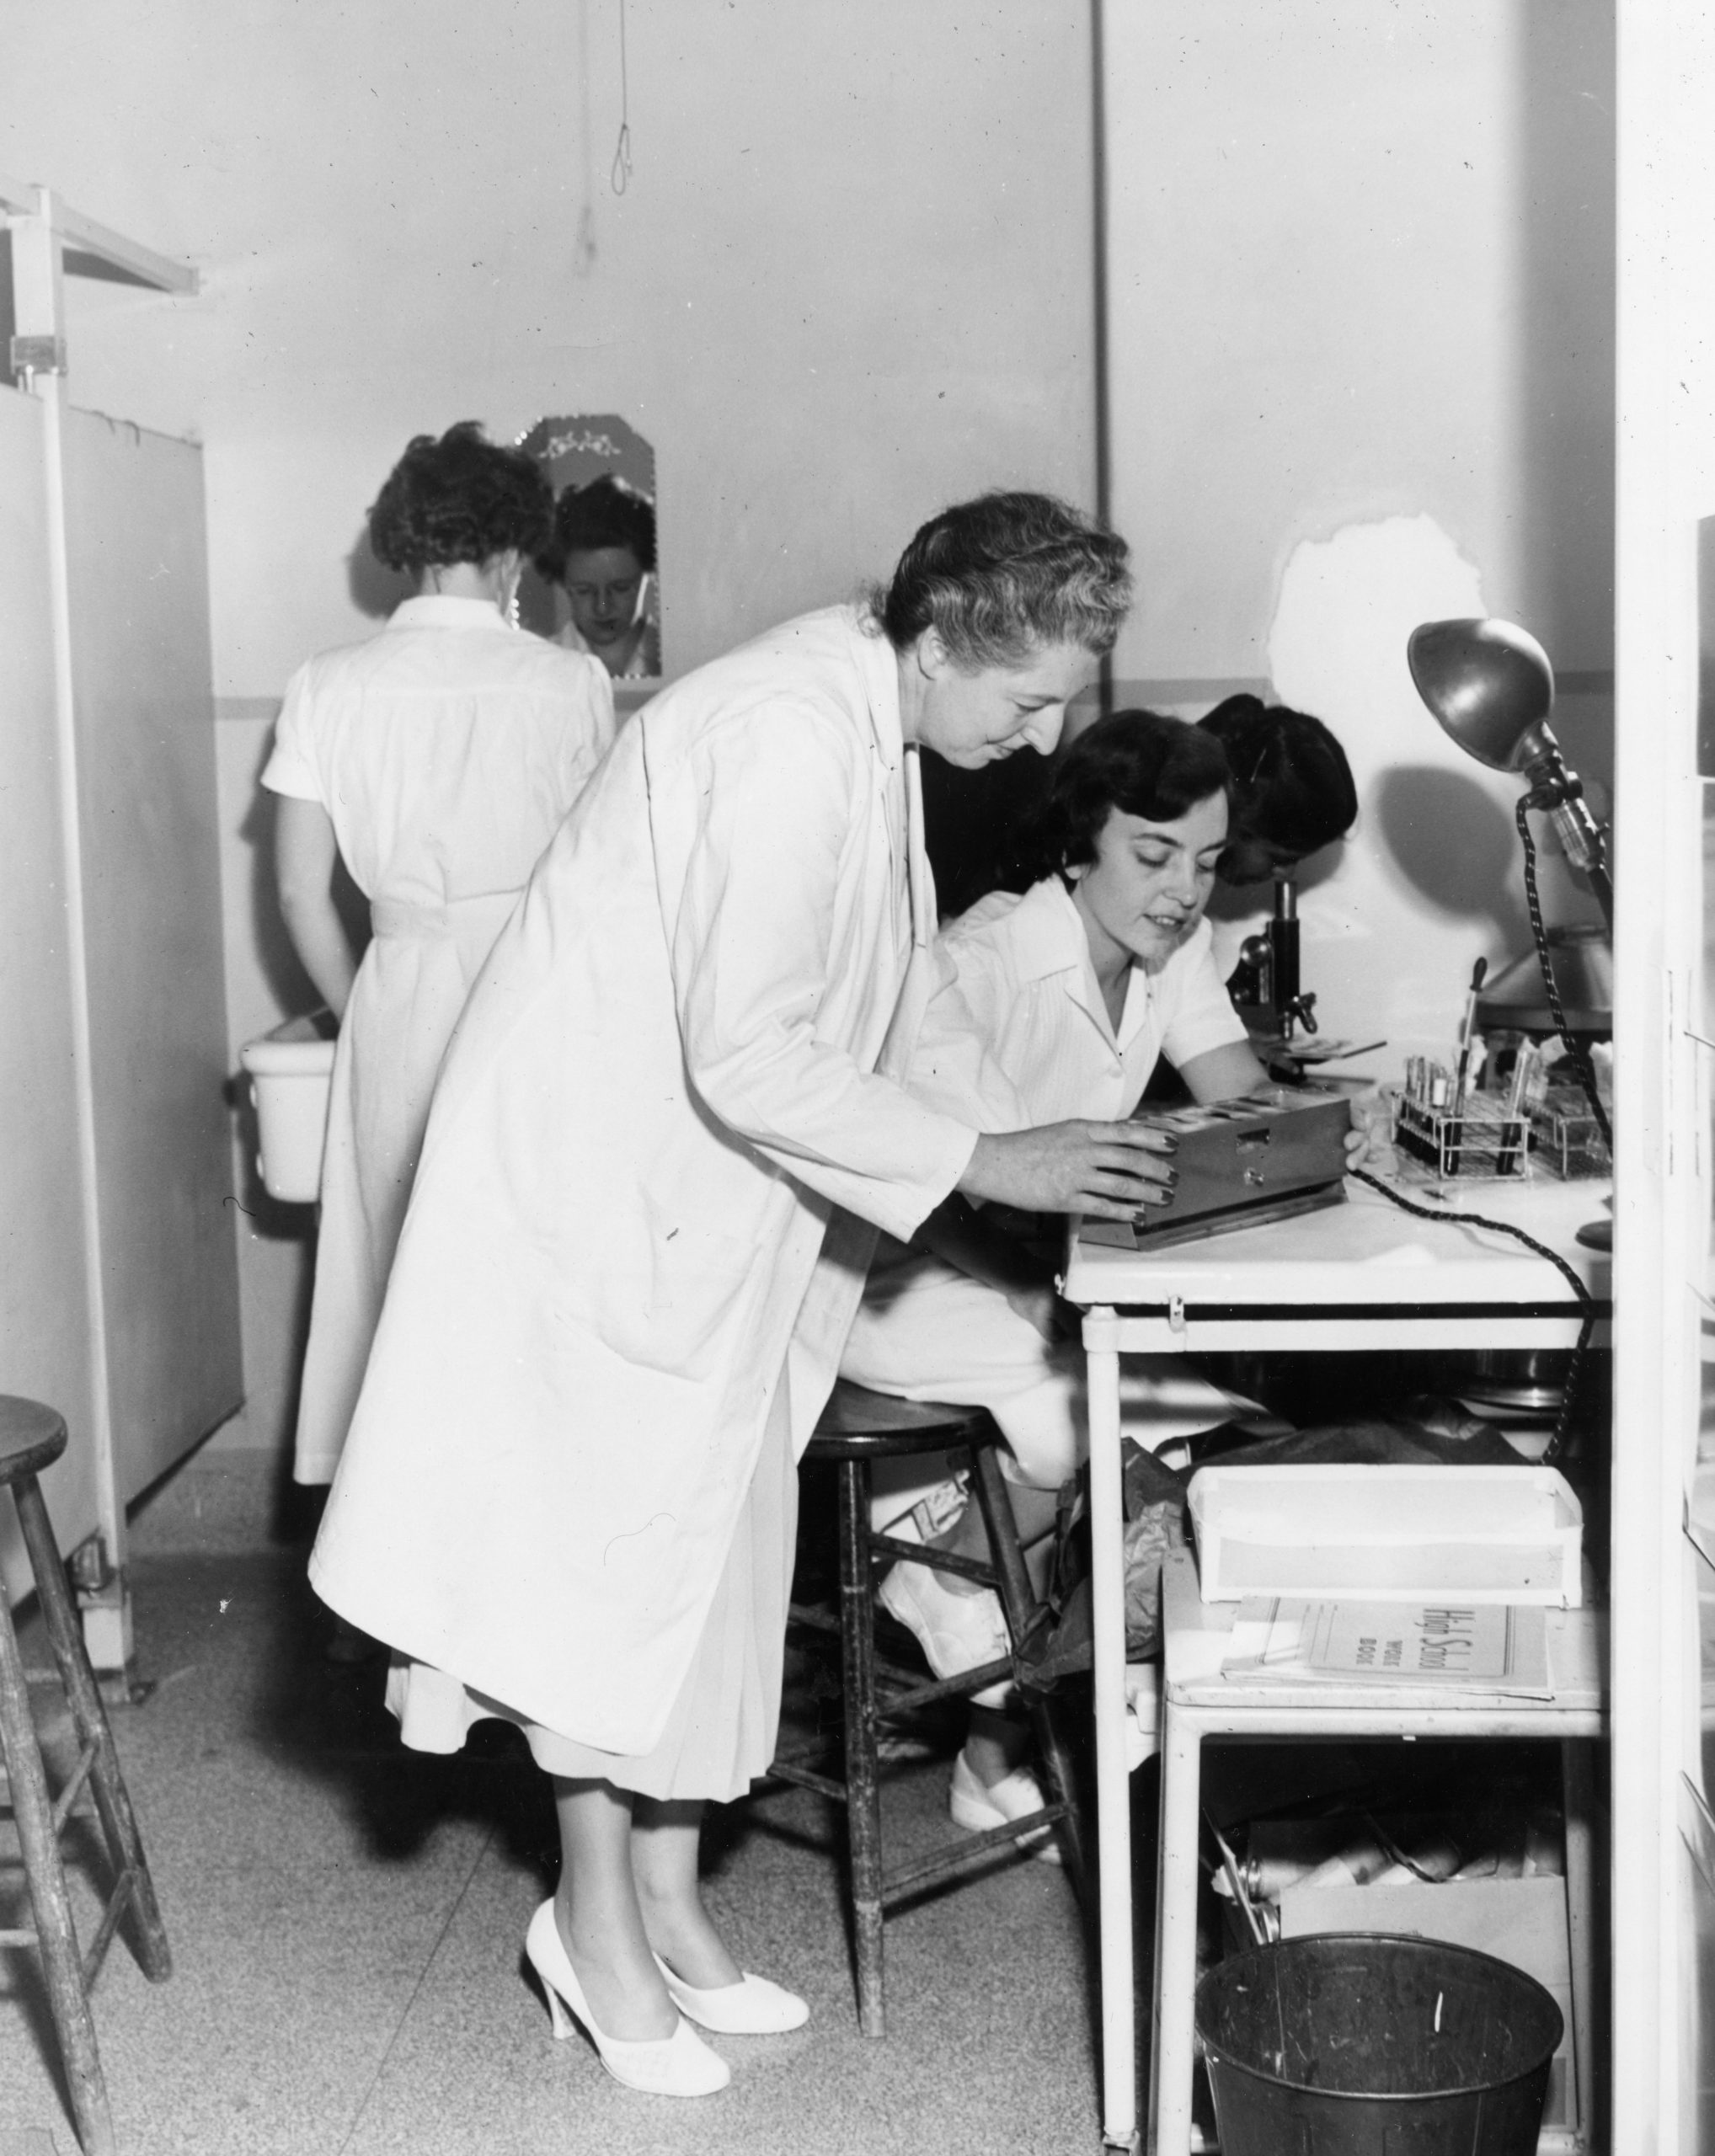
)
(1359, 1275)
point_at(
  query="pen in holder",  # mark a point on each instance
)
(1462, 1076)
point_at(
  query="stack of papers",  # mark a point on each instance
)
(1489, 1648)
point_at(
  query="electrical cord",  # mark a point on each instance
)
(1575, 1048)
(1587, 1302)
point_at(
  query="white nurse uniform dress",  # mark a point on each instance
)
(445, 750)
(929, 1332)
(639, 1232)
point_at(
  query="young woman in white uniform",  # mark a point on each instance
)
(665, 1133)
(435, 760)
(1076, 988)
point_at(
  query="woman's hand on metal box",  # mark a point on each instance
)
(1109, 1170)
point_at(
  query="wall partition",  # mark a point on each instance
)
(118, 1272)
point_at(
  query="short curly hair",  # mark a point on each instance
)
(461, 499)
(1004, 576)
(608, 512)
(1137, 761)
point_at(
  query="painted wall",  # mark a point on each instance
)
(850, 278)
(848, 281)
(1361, 290)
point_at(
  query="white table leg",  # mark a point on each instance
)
(1113, 1783)
(1578, 1796)
(1176, 1935)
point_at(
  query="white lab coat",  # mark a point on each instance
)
(662, 1089)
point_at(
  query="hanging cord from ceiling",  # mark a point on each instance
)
(619, 176)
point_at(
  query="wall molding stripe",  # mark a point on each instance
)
(1147, 688)
(1188, 688)
(1196, 688)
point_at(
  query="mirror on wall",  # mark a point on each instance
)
(596, 590)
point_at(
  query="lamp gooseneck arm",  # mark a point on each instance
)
(1558, 793)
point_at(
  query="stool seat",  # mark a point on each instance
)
(880, 1426)
(31, 1437)
(856, 1428)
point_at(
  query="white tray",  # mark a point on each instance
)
(1477, 1534)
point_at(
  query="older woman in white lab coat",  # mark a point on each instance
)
(666, 1132)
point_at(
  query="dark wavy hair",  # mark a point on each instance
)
(1002, 577)
(609, 512)
(461, 499)
(1136, 761)
(1292, 786)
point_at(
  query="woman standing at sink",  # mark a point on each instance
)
(434, 760)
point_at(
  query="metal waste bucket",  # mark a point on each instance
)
(1354, 2043)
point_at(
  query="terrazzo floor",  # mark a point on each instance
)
(346, 1920)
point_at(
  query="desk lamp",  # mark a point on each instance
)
(1490, 685)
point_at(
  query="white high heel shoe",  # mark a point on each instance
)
(679, 2065)
(752, 2007)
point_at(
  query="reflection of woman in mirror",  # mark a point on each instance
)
(603, 551)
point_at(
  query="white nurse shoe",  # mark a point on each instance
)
(977, 1806)
(752, 2007)
(679, 2065)
(956, 1631)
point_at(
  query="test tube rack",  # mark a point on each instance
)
(1568, 1139)
(1483, 1141)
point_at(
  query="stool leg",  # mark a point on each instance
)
(90, 1717)
(863, 1773)
(56, 1933)
(1018, 1601)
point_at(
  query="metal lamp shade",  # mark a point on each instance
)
(1489, 683)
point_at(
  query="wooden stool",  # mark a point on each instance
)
(31, 1437)
(858, 1427)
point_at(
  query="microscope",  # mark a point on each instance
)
(1264, 984)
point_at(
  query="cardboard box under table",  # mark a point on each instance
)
(1522, 1921)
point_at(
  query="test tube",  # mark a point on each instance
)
(1524, 1065)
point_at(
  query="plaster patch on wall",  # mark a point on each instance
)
(1429, 879)
(1346, 606)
